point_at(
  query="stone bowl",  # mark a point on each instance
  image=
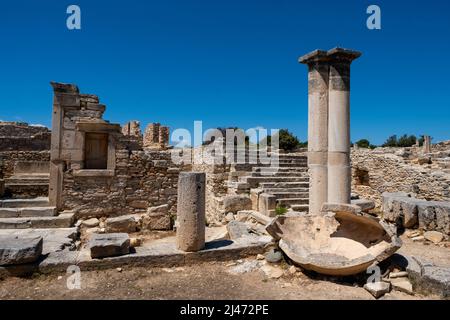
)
(337, 244)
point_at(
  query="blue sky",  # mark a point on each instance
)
(229, 63)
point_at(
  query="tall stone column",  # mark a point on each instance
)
(339, 170)
(427, 144)
(191, 211)
(318, 70)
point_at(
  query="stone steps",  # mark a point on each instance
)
(289, 202)
(289, 194)
(255, 181)
(28, 212)
(24, 203)
(278, 174)
(282, 190)
(279, 169)
(284, 185)
(64, 220)
(300, 207)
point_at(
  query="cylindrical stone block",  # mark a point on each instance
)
(191, 211)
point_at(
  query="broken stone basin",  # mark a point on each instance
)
(338, 244)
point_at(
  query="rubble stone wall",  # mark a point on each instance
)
(8, 160)
(23, 137)
(374, 173)
(141, 179)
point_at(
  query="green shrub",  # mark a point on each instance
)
(280, 210)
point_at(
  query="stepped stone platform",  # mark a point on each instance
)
(288, 181)
(32, 213)
(30, 179)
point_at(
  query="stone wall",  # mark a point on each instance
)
(141, 179)
(375, 172)
(23, 137)
(8, 160)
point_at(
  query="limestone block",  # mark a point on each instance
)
(235, 203)
(237, 229)
(378, 289)
(364, 204)
(109, 245)
(157, 218)
(14, 250)
(267, 204)
(121, 224)
(191, 211)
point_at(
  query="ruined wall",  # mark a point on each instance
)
(141, 179)
(9, 158)
(23, 137)
(374, 173)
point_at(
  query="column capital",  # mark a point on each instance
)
(335, 54)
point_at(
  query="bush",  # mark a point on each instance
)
(287, 141)
(363, 143)
(280, 210)
(403, 141)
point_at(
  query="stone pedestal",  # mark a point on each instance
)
(339, 170)
(191, 211)
(318, 69)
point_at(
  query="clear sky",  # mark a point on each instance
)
(229, 63)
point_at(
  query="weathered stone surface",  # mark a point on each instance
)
(434, 215)
(109, 245)
(274, 256)
(340, 207)
(164, 208)
(428, 278)
(357, 241)
(267, 204)
(90, 223)
(402, 284)
(378, 289)
(364, 204)
(156, 221)
(191, 211)
(121, 224)
(235, 203)
(434, 236)
(15, 250)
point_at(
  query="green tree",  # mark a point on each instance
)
(406, 141)
(391, 141)
(363, 143)
(287, 141)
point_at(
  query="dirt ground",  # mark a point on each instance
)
(205, 281)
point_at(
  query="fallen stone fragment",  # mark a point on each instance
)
(403, 285)
(274, 256)
(272, 272)
(400, 274)
(235, 203)
(121, 224)
(260, 257)
(90, 223)
(237, 229)
(247, 266)
(428, 278)
(345, 242)
(378, 289)
(156, 221)
(434, 236)
(292, 270)
(418, 238)
(109, 245)
(14, 250)
(364, 204)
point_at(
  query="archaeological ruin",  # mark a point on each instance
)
(101, 195)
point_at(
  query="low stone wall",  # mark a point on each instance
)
(21, 136)
(374, 173)
(141, 179)
(409, 212)
(8, 160)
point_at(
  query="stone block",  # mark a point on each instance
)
(121, 224)
(267, 204)
(15, 250)
(109, 245)
(235, 203)
(156, 221)
(237, 229)
(364, 204)
(378, 289)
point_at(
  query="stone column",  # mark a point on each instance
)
(151, 136)
(427, 144)
(318, 68)
(164, 136)
(191, 211)
(339, 170)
